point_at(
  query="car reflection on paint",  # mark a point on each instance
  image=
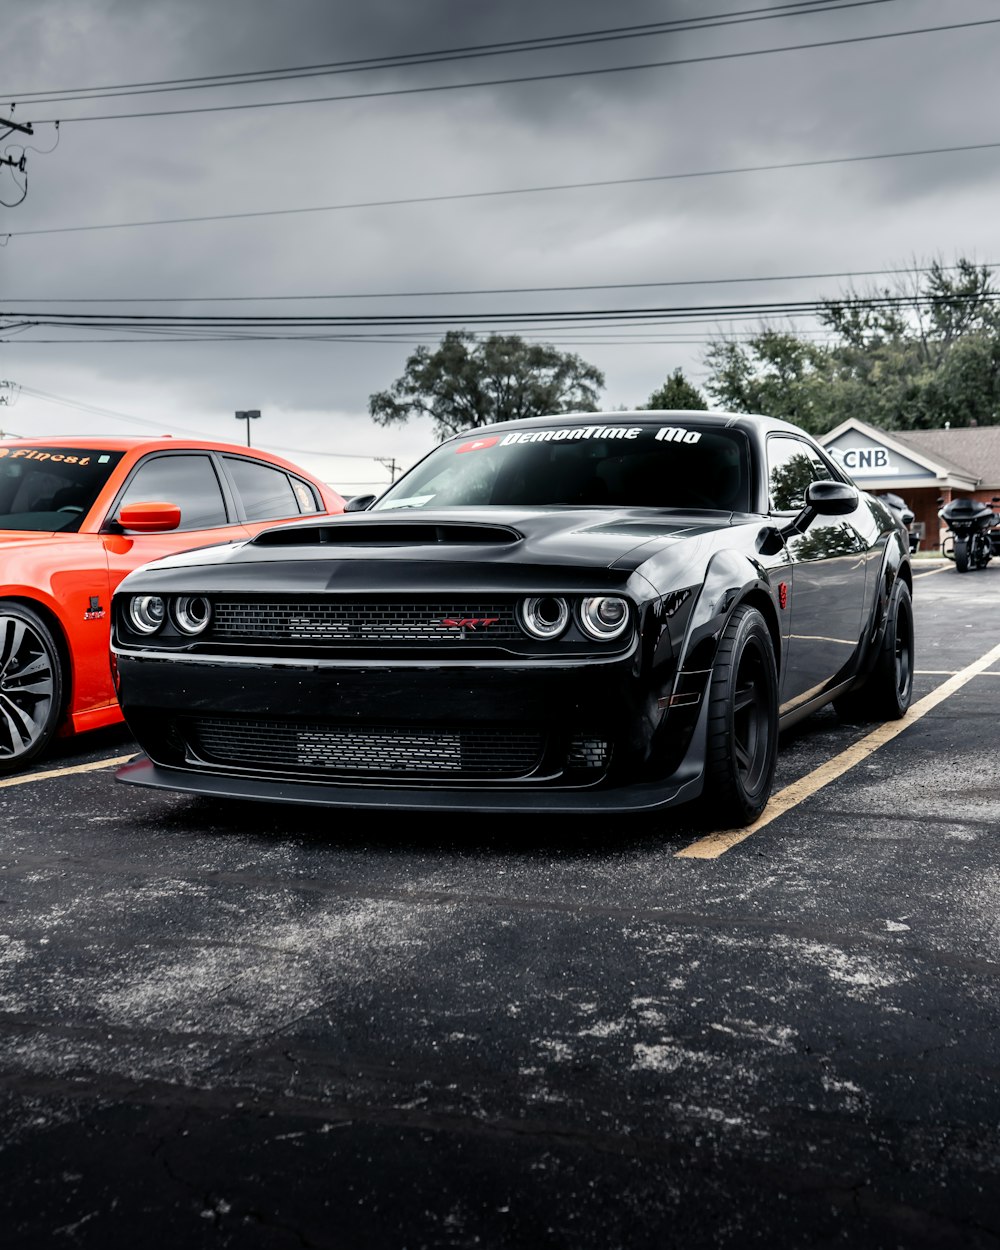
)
(583, 613)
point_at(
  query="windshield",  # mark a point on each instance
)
(50, 488)
(649, 466)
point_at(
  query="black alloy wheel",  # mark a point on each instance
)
(900, 628)
(888, 689)
(31, 685)
(961, 555)
(742, 741)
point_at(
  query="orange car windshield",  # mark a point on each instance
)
(51, 488)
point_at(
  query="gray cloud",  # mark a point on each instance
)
(923, 91)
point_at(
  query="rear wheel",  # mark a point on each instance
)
(888, 689)
(31, 685)
(742, 740)
(961, 555)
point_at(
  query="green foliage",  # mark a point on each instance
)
(468, 382)
(909, 357)
(676, 392)
(774, 373)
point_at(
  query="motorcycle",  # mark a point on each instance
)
(971, 523)
(903, 514)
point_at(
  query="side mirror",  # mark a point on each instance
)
(359, 503)
(832, 498)
(149, 518)
(827, 498)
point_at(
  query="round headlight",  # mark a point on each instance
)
(604, 617)
(544, 617)
(192, 613)
(146, 613)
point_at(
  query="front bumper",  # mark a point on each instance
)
(417, 736)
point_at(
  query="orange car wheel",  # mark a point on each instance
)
(31, 685)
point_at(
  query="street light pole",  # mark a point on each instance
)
(248, 415)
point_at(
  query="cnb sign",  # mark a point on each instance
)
(861, 460)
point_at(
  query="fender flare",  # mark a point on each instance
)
(894, 565)
(731, 578)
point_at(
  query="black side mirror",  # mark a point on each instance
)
(832, 498)
(827, 498)
(359, 503)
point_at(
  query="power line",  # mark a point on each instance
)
(804, 8)
(275, 327)
(529, 78)
(500, 290)
(880, 300)
(158, 425)
(477, 195)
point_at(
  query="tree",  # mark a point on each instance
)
(468, 382)
(774, 372)
(676, 392)
(912, 356)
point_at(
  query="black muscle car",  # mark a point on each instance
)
(595, 612)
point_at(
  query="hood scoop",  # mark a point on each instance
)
(388, 533)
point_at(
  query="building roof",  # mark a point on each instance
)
(974, 450)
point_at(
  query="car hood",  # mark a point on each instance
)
(448, 545)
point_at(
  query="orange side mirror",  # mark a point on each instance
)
(149, 518)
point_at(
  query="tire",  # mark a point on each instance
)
(961, 555)
(888, 688)
(742, 739)
(31, 685)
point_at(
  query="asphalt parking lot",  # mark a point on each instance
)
(236, 1025)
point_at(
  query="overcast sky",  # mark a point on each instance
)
(874, 97)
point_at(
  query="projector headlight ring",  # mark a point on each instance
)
(192, 613)
(604, 617)
(543, 616)
(146, 613)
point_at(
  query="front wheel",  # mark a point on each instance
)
(31, 685)
(961, 555)
(742, 741)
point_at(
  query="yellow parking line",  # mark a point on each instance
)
(716, 844)
(950, 672)
(930, 572)
(66, 772)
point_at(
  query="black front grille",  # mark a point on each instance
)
(351, 750)
(299, 621)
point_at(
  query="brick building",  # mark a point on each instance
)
(922, 466)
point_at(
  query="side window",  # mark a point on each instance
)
(188, 480)
(268, 492)
(308, 500)
(791, 466)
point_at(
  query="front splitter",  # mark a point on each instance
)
(645, 797)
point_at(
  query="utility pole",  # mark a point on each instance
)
(17, 164)
(248, 415)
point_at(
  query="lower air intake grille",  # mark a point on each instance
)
(389, 752)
